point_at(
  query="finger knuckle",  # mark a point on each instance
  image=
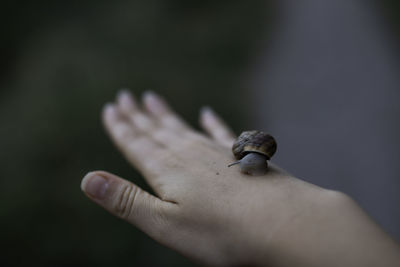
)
(125, 205)
(137, 145)
(122, 132)
(172, 121)
(142, 122)
(160, 135)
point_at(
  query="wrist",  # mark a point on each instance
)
(295, 227)
(332, 231)
(278, 221)
(305, 239)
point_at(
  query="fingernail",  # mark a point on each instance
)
(109, 111)
(207, 112)
(153, 102)
(95, 185)
(125, 99)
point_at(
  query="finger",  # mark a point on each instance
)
(162, 135)
(215, 127)
(137, 148)
(126, 102)
(160, 110)
(166, 137)
(127, 106)
(129, 202)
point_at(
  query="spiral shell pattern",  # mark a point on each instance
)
(254, 141)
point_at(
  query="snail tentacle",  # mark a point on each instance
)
(234, 163)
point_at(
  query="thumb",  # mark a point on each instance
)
(127, 201)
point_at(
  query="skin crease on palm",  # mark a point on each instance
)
(217, 215)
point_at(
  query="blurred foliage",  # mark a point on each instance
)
(61, 61)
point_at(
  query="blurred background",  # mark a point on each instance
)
(62, 60)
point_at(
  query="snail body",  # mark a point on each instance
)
(253, 149)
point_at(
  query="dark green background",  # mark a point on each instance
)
(60, 62)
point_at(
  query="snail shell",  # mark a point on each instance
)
(254, 141)
(253, 149)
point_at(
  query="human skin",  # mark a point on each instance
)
(217, 215)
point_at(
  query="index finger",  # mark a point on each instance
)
(138, 148)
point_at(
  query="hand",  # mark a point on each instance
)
(210, 213)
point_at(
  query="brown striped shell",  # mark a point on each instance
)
(254, 141)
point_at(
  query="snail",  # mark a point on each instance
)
(253, 149)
